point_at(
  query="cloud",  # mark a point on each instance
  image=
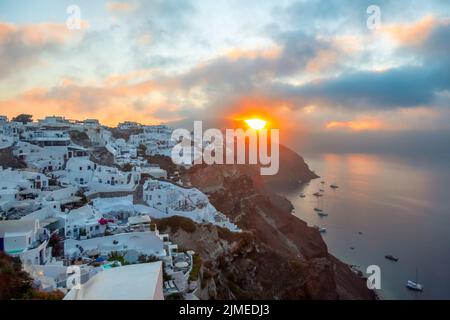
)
(21, 46)
(411, 34)
(121, 7)
(356, 125)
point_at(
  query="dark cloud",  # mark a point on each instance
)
(402, 87)
(17, 52)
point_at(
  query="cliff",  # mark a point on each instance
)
(277, 256)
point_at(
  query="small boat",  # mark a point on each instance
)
(302, 195)
(321, 229)
(322, 182)
(317, 194)
(414, 286)
(391, 257)
(321, 190)
(318, 210)
(334, 186)
(322, 214)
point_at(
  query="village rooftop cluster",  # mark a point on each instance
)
(77, 201)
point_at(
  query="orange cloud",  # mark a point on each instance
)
(410, 34)
(269, 53)
(356, 125)
(121, 7)
(40, 33)
(322, 61)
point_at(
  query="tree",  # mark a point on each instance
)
(14, 282)
(127, 167)
(55, 244)
(24, 118)
(142, 149)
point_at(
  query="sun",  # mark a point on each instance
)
(256, 124)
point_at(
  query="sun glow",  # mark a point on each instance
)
(256, 124)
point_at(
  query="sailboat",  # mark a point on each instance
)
(319, 209)
(414, 285)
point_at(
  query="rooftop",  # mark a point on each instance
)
(133, 282)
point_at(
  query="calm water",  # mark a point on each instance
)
(401, 206)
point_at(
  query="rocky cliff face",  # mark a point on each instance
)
(277, 256)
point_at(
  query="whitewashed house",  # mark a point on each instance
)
(172, 200)
(139, 223)
(132, 243)
(127, 125)
(25, 239)
(16, 185)
(84, 223)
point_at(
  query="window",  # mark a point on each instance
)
(81, 168)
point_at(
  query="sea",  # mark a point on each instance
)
(385, 205)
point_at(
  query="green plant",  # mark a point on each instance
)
(116, 256)
(196, 265)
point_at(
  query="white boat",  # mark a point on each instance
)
(302, 195)
(414, 286)
(322, 214)
(321, 229)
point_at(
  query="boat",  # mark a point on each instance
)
(322, 182)
(334, 186)
(414, 285)
(321, 190)
(317, 194)
(302, 195)
(391, 257)
(318, 210)
(321, 229)
(322, 214)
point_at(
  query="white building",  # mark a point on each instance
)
(139, 223)
(16, 185)
(127, 125)
(53, 121)
(48, 138)
(25, 239)
(133, 282)
(82, 172)
(172, 200)
(84, 223)
(148, 243)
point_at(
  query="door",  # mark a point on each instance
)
(1, 244)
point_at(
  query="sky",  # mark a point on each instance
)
(313, 68)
